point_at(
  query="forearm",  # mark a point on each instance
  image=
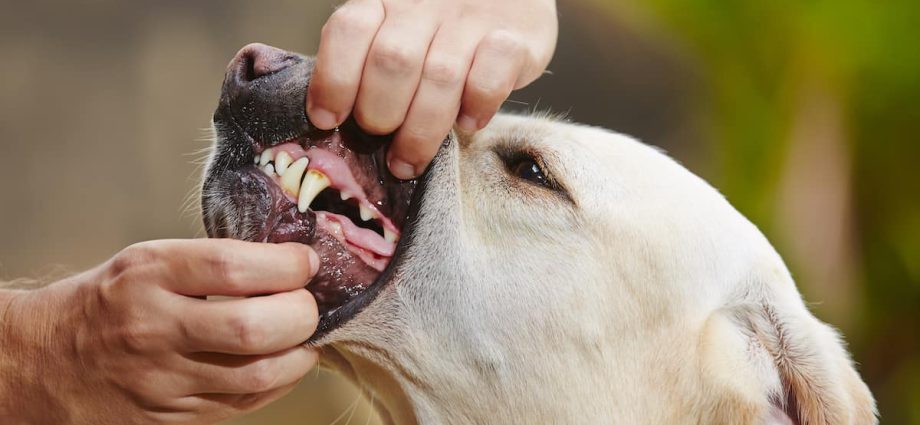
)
(25, 356)
(9, 354)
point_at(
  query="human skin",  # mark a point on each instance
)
(415, 67)
(135, 340)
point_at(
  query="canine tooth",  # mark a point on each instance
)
(268, 169)
(282, 161)
(313, 184)
(389, 235)
(366, 213)
(266, 157)
(290, 181)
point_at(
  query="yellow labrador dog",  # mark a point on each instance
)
(539, 272)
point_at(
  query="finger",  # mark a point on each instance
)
(213, 408)
(246, 403)
(344, 43)
(259, 325)
(436, 104)
(392, 70)
(236, 268)
(229, 374)
(499, 60)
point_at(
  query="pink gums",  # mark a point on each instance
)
(367, 244)
(340, 177)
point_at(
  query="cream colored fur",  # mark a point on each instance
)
(645, 299)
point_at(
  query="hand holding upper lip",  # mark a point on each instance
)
(133, 340)
(416, 67)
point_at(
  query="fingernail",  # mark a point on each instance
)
(401, 169)
(323, 119)
(467, 123)
(313, 257)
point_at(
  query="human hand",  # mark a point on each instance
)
(415, 67)
(135, 341)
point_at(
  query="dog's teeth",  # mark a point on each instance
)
(389, 235)
(282, 161)
(266, 157)
(255, 159)
(345, 196)
(313, 184)
(366, 213)
(290, 181)
(269, 169)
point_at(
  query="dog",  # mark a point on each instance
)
(540, 271)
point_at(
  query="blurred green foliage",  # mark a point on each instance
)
(757, 59)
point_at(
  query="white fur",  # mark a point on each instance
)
(646, 300)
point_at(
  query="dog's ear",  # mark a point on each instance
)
(814, 382)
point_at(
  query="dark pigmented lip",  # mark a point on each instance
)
(333, 319)
(302, 229)
(262, 106)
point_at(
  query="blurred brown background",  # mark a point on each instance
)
(804, 114)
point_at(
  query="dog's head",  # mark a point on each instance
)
(544, 271)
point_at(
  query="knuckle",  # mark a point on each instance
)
(375, 123)
(503, 42)
(137, 338)
(132, 257)
(443, 72)
(333, 83)
(349, 20)
(418, 140)
(247, 331)
(224, 268)
(486, 91)
(144, 386)
(261, 376)
(394, 57)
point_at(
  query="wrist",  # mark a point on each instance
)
(10, 358)
(32, 352)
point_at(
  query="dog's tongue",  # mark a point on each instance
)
(346, 230)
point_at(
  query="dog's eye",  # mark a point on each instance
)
(527, 169)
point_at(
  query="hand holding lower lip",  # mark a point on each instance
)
(135, 338)
(414, 68)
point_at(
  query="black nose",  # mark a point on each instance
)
(255, 61)
(264, 95)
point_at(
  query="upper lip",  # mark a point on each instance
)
(333, 318)
(261, 107)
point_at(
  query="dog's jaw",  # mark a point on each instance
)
(448, 342)
(429, 365)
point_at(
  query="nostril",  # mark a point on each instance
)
(247, 67)
(257, 60)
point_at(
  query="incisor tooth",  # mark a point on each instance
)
(366, 213)
(389, 235)
(344, 195)
(268, 169)
(313, 183)
(282, 161)
(266, 157)
(290, 180)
